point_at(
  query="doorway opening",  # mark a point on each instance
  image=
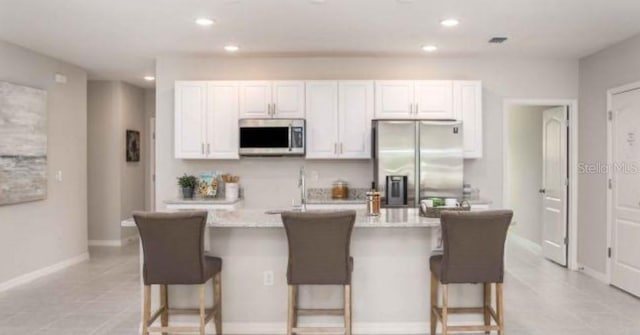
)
(540, 176)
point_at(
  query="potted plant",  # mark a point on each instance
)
(188, 184)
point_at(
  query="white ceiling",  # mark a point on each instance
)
(119, 39)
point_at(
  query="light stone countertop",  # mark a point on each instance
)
(258, 218)
(336, 202)
(201, 201)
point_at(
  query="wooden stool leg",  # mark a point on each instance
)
(291, 310)
(217, 302)
(347, 309)
(146, 310)
(445, 306)
(487, 305)
(202, 310)
(296, 290)
(434, 303)
(164, 304)
(500, 308)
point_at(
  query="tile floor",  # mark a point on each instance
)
(102, 296)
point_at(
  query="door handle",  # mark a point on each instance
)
(542, 190)
(335, 148)
(341, 151)
(410, 108)
(202, 148)
(208, 148)
(273, 109)
(417, 108)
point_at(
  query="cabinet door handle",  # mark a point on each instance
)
(410, 108)
(274, 109)
(335, 148)
(202, 148)
(417, 108)
(341, 151)
(208, 148)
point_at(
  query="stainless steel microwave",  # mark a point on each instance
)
(272, 137)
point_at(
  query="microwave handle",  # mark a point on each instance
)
(290, 136)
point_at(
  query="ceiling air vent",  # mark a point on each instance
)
(497, 40)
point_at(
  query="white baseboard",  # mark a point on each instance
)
(279, 328)
(114, 243)
(25, 278)
(525, 243)
(593, 273)
(105, 243)
(130, 239)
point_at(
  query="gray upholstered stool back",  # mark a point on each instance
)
(173, 246)
(319, 245)
(473, 244)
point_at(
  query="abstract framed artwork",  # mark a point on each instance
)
(133, 146)
(23, 144)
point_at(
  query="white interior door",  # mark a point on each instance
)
(554, 184)
(625, 193)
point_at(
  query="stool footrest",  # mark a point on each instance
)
(319, 330)
(320, 311)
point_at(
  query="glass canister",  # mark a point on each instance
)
(373, 203)
(340, 190)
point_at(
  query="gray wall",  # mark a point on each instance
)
(272, 182)
(116, 187)
(42, 233)
(609, 68)
(525, 170)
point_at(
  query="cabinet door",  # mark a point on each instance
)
(288, 99)
(468, 108)
(322, 119)
(190, 104)
(394, 99)
(434, 99)
(222, 120)
(355, 114)
(255, 99)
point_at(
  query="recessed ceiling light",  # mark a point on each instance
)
(429, 48)
(450, 22)
(203, 21)
(149, 78)
(231, 48)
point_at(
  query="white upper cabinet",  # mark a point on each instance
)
(206, 120)
(339, 117)
(356, 112)
(426, 99)
(272, 99)
(190, 126)
(322, 119)
(255, 99)
(468, 108)
(394, 99)
(288, 99)
(433, 99)
(222, 120)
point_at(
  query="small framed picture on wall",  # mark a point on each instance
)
(133, 146)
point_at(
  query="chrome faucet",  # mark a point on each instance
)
(303, 189)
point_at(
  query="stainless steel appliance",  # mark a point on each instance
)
(428, 153)
(271, 137)
(396, 191)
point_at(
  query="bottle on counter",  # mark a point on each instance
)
(373, 201)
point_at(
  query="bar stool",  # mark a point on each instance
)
(319, 254)
(473, 245)
(173, 246)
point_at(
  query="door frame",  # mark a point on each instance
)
(610, 93)
(572, 203)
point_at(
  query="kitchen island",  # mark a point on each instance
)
(390, 277)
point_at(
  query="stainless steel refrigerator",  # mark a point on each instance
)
(429, 153)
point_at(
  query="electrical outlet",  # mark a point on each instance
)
(59, 175)
(267, 278)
